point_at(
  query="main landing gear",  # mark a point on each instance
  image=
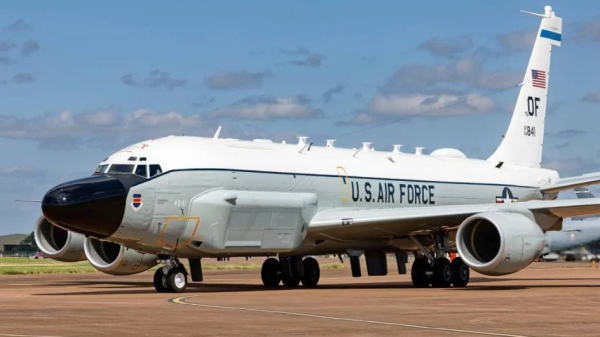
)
(171, 278)
(438, 271)
(290, 271)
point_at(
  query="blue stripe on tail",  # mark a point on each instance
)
(551, 35)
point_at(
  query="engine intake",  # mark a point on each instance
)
(57, 243)
(499, 243)
(114, 259)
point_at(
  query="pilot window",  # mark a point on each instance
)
(121, 168)
(155, 170)
(141, 171)
(101, 169)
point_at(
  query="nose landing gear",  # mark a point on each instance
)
(171, 278)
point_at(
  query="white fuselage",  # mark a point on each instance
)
(338, 177)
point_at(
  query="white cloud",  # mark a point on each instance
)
(589, 31)
(432, 105)
(232, 80)
(520, 41)
(156, 79)
(313, 61)
(68, 130)
(268, 108)
(447, 47)
(593, 97)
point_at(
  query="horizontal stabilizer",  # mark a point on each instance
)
(573, 182)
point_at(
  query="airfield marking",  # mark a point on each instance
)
(182, 300)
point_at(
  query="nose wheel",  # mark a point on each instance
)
(172, 278)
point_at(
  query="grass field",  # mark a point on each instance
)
(26, 266)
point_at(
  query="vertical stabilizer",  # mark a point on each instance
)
(522, 143)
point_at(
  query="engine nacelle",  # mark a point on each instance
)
(57, 243)
(499, 243)
(114, 259)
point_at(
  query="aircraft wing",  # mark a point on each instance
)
(365, 223)
(573, 182)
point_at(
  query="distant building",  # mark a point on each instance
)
(9, 243)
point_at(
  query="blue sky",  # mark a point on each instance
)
(80, 80)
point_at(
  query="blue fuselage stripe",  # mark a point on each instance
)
(551, 35)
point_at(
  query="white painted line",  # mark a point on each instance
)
(182, 300)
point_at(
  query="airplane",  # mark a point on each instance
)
(166, 199)
(578, 232)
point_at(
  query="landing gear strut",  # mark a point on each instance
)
(171, 278)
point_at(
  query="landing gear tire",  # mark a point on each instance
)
(160, 281)
(177, 280)
(312, 272)
(442, 273)
(270, 273)
(460, 273)
(418, 273)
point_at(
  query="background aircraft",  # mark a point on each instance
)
(577, 232)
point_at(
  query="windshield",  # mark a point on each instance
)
(155, 170)
(101, 169)
(121, 168)
(141, 170)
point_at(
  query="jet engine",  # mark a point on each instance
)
(114, 259)
(499, 243)
(57, 243)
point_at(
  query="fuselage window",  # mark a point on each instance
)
(121, 168)
(141, 171)
(101, 169)
(155, 170)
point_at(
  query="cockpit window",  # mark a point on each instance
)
(101, 169)
(155, 170)
(121, 168)
(141, 170)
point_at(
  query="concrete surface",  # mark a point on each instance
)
(546, 299)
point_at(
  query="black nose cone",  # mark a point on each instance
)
(92, 206)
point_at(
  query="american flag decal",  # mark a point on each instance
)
(538, 78)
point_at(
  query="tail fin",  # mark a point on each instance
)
(522, 143)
